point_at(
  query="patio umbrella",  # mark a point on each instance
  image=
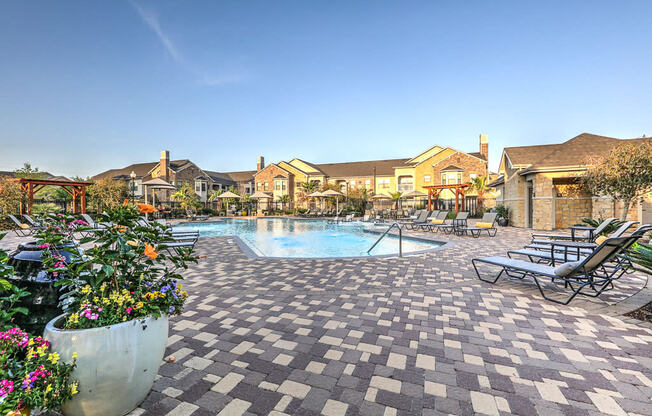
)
(414, 195)
(156, 183)
(228, 194)
(337, 195)
(315, 194)
(260, 195)
(381, 196)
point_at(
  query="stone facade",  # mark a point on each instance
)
(264, 179)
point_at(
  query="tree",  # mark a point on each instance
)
(187, 197)
(480, 185)
(284, 199)
(106, 194)
(306, 189)
(396, 197)
(10, 196)
(625, 174)
(27, 171)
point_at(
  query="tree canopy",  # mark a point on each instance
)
(624, 174)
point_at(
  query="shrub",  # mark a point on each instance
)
(46, 209)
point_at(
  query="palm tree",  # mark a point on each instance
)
(480, 185)
(396, 196)
(187, 197)
(307, 188)
(283, 199)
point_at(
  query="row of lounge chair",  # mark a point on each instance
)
(322, 213)
(437, 221)
(586, 264)
(180, 239)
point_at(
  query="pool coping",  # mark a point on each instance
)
(250, 253)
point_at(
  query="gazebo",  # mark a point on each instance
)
(459, 189)
(30, 186)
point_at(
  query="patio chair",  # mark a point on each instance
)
(177, 246)
(421, 219)
(544, 245)
(91, 222)
(460, 221)
(589, 233)
(31, 221)
(437, 218)
(553, 256)
(23, 230)
(574, 275)
(487, 224)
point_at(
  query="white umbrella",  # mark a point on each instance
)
(260, 195)
(228, 194)
(337, 195)
(315, 194)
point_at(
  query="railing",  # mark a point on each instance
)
(400, 239)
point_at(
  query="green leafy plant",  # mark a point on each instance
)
(641, 254)
(126, 274)
(502, 211)
(187, 197)
(31, 376)
(608, 229)
(10, 294)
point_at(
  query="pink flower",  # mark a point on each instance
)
(129, 310)
(42, 246)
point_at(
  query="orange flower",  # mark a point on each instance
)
(146, 208)
(125, 202)
(121, 228)
(150, 252)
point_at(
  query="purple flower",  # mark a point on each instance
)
(171, 310)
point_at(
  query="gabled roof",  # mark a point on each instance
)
(141, 170)
(478, 155)
(312, 165)
(573, 153)
(451, 167)
(366, 168)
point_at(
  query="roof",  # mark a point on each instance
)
(366, 168)
(46, 175)
(451, 167)
(477, 154)
(572, 153)
(141, 170)
(499, 181)
(241, 176)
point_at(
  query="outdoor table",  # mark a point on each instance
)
(579, 245)
(581, 228)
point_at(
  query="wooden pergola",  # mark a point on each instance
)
(459, 189)
(29, 186)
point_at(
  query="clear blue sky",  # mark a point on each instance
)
(88, 86)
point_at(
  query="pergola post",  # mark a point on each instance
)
(457, 200)
(30, 197)
(83, 199)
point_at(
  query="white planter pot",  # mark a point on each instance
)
(116, 364)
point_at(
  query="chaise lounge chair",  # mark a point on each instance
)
(23, 230)
(439, 219)
(420, 219)
(487, 223)
(576, 276)
(459, 222)
(590, 233)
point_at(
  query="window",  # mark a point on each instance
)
(426, 179)
(266, 186)
(352, 183)
(383, 183)
(367, 183)
(197, 187)
(450, 178)
(203, 186)
(259, 186)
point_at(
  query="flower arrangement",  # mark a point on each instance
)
(30, 375)
(127, 273)
(9, 293)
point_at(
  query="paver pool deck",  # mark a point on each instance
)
(418, 335)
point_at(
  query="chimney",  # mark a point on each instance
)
(165, 165)
(261, 164)
(484, 146)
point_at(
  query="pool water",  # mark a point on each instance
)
(287, 237)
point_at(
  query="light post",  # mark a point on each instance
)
(132, 175)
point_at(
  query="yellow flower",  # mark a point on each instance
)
(74, 355)
(53, 358)
(132, 243)
(138, 305)
(48, 389)
(86, 289)
(73, 389)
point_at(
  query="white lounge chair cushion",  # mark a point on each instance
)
(565, 269)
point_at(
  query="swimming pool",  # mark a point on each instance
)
(288, 237)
